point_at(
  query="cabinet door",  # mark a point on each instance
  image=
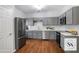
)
(45, 21)
(37, 34)
(47, 35)
(75, 11)
(49, 21)
(52, 35)
(69, 17)
(30, 34)
(26, 34)
(29, 21)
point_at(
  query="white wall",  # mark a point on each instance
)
(66, 27)
(18, 13)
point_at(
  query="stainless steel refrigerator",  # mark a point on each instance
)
(20, 27)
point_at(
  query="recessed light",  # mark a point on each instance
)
(39, 7)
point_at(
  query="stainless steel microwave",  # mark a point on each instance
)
(63, 20)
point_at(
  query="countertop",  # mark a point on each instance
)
(47, 30)
(68, 34)
(63, 32)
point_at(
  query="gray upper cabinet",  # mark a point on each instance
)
(29, 21)
(49, 21)
(72, 16)
(52, 21)
(75, 15)
(45, 21)
(69, 17)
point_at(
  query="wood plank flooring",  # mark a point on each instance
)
(40, 46)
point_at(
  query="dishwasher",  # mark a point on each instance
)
(58, 38)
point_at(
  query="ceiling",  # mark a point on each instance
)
(53, 10)
(30, 8)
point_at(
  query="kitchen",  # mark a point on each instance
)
(57, 23)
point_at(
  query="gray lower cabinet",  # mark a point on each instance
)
(34, 34)
(46, 34)
(30, 34)
(50, 35)
(37, 34)
(26, 34)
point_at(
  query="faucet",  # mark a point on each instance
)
(50, 28)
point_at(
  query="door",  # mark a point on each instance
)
(6, 35)
(7, 43)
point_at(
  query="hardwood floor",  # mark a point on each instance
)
(40, 46)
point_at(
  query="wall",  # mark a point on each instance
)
(18, 13)
(66, 27)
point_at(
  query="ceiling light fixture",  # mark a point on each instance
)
(39, 7)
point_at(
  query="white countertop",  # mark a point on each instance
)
(68, 34)
(45, 30)
(61, 31)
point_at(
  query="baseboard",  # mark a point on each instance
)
(14, 51)
(7, 51)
